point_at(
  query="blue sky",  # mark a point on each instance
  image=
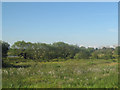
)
(88, 24)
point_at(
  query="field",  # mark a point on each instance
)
(61, 74)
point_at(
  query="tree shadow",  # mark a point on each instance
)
(6, 65)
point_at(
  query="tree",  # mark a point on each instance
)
(82, 55)
(40, 51)
(90, 50)
(5, 48)
(61, 49)
(64, 50)
(105, 53)
(0, 49)
(116, 52)
(19, 48)
(72, 50)
(94, 55)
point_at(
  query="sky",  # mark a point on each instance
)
(78, 23)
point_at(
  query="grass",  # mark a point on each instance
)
(62, 74)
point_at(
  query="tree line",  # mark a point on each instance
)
(57, 50)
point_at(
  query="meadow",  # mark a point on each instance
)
(72, 73)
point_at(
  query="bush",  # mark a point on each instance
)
(82, 55)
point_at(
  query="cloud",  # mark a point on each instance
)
(113, 30)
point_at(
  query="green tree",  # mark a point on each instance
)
(94, 55)
(84, 54)
(64, 50)
(19, 48)
(116, 52)
(5, 48)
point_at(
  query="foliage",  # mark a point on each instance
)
(84, 54)
(5, 48)
(43, 51)
(57, 50)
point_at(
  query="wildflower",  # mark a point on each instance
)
(95, 77)
(64, 77)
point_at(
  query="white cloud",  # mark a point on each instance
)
(113, 30)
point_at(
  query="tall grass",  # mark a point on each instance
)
(67, 74)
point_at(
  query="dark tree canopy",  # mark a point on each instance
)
(57, 50)
(5, 48)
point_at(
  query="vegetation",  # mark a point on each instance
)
(58, 65)
(61, 74)
(5, 47)
(3, 53)
(59, 50)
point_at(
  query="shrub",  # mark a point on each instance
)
(82, 55)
